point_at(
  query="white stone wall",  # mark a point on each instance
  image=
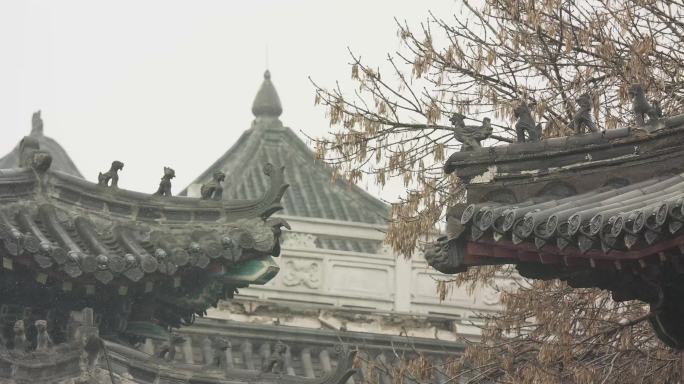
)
(383, 281)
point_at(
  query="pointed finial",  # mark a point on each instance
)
(267, 103)
(36, 124)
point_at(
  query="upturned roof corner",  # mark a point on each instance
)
(60, 159)
(601, 209)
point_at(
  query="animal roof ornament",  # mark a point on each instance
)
(525, 128)
(646, 114)
(36, 124)
(470, 136)
(582, 121)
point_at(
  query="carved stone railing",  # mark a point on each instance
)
(219, 365)
(310, 353)
(86, 358)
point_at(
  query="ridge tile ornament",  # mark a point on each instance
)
(36, 124)
(213, 189)
(60, 160)
(470, 136)
(165, 183)
(267, 103)
(526, 124)
(112, 175)
(31, 156)
(642, 108)
(582, 120)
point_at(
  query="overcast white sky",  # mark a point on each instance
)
(155, 83)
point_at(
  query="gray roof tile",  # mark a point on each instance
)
(311, 193)
(608, 218)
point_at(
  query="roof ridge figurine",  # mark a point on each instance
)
(582, 119)
(213, 189)
(526, 123)
(165, 183)
(470, 135)
(641, 107)
(36, 124)
(112, 175)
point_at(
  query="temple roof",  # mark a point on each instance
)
(599, 196)
(312, 194)
(77, 228)
(60, 159)
(74, 236)
(626, 239)
(603, 210)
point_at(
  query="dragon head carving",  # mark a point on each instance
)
(437, 255)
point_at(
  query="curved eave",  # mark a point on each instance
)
(626, 224)
(492, 252)
(64, 229)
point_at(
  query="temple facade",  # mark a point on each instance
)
(337, 278)
(99, 284)
(263, 271)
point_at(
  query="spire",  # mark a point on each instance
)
(267, 103)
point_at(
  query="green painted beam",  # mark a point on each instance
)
(255, 271)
